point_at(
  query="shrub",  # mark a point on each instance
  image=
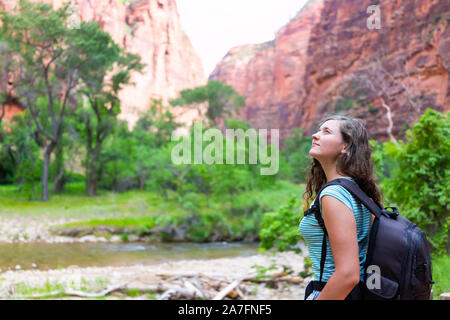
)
(419, 184)
(279, 229)
(441, 270)
(384, 164)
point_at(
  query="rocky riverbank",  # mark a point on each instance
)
(34, 229)
(30, 229)
(276, 277)
(260, 276)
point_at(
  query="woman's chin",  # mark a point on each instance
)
(312, 153)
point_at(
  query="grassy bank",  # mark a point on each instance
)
(441, 275)
(191, 217)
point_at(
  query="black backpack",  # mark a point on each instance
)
(398, 262)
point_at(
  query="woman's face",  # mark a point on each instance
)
(327, 143)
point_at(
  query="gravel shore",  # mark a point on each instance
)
(140, 276)
(14, 230)
(32, 229)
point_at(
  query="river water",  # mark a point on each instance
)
(45, 256)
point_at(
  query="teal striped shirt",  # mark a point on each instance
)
(313, 235)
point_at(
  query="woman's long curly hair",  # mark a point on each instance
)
(357, 163)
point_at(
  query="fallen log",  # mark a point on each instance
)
(223, 293)
(296, 280)
(186, 285)
(197, 291)
(187, 293)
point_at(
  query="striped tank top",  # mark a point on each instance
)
(313, 235)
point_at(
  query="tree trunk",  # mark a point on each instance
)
(60, 180)
(94, 174)
(2, 114)
(92, 185)
(94, 171)
(88, 155)
(45, 171)
(92, 192)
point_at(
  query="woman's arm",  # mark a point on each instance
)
(341, 227)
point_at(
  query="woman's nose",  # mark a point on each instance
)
(315, 136)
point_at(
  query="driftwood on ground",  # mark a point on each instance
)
(182, 286)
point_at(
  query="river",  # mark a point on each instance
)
(46, 256)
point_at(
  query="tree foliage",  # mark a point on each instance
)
(220, 98)
(419, 185)
(53, 63)
(21, 154)
(279, 228)
(101, 80)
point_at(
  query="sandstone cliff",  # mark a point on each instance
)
(326, 60)
(152, 29)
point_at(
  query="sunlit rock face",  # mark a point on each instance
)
(327, 60)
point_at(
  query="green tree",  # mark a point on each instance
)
(156, 125)
(37, 36)
(383, 163)
(151, 134)
(51, 58)
(164, 176)
(117, 162)
(67, 150)
(220, 98)
(109, 68)
(279, 228)
(419, 184)
(7, 66)
(22, 148)
(235, 123)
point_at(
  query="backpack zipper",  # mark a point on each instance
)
(424, 266)
(414, 259)
(405, 258)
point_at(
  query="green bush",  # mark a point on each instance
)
(202, 227)
(190, 201)
(279, 229)
(7, 162)
(441, 271)
(419, 184)
(75, 177)
(384, 164)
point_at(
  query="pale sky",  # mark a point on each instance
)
(215, 26)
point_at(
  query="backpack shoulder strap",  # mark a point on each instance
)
(356, 191)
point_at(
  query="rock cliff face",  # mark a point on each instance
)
(11, 109)
(327, 60)
(152, 29)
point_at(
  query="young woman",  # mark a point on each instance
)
(340, 149)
